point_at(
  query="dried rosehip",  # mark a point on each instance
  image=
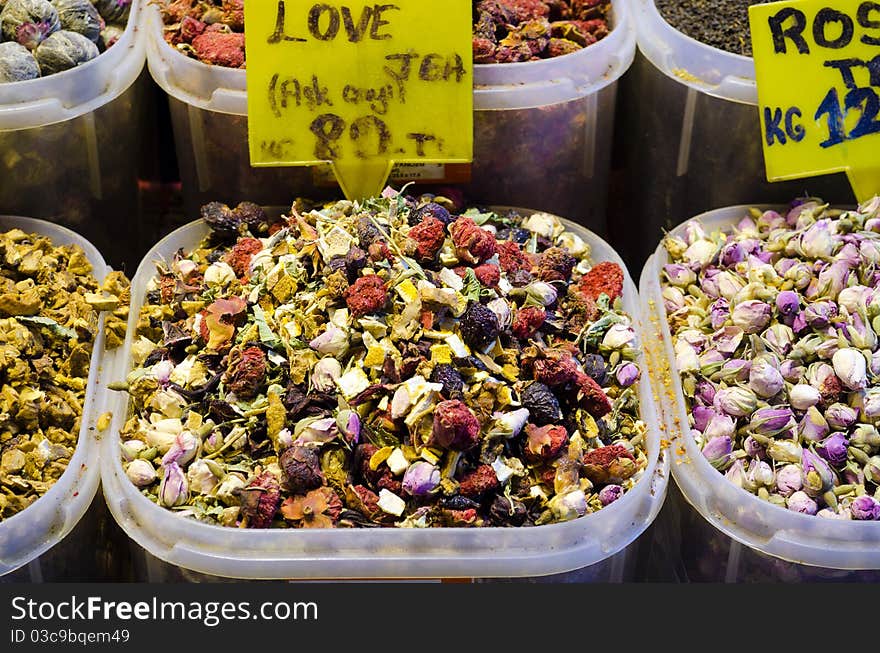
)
(488, 274)
(543, 443)
(556, 368)
(300, 469)
(430, 234)
(592, 397)
(239, 257)
(605, 277)
(512, 258)
(483, 479)
(473, 244)
(455, 426)
(527, 321)
(452, 382)
(245, 372)
(479, 325)
(366, 295)
(542, 404)
(611, 464)
(430, 210)
(260, 500)
(556, 264)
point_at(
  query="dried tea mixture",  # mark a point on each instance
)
(43, 37)
(775, 332)
(397, 362)
(723, 24)
(49, 304)
(505, 31)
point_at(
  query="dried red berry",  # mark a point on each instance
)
(366, 295)
(473, 244)
(556, 368)
(488, 274)
(190, 28)
(511, 257)
(592, 397)
(220, 48)
(527, 321)
(430, 234)
(611, 464)
(239, 257)
(556, 264)
(606, 277)
(260, 500)
(455, 426)
(544, 442)
(245, 372)
(479, 481)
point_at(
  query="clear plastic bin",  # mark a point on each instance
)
(690, 138)
(54, 538)
(737, 535)
(69, 147)
(542, 130)
(177, 548)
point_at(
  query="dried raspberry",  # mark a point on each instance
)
(557, 368)
(544, 442)
(611, 464)
(245, 372)
(527, 321)
(260, 500)
(473, 244)
(366, 295)
(606, 277)
(190, 28)
(239, 257)
(479, 481)
(430, 234)
(300, 469)
(489, 274)
(221, 49)
(388, 482)
(555, 264)
(512, 258)
(455, 426)
(592, 397)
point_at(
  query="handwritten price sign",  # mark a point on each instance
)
(818, 70)
(361, 85)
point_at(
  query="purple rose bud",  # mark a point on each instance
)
(679, 275)
(800, 502)
(872, 470)
(727, 340)
(737, 402)
(833, 449)
(693, 231)
(705, 393)
(349, 424)
(673, 299)
(719, 313)
(711, 360)
(772, 220)
(731, 254)
(832, 279)
(853, 476)
(818, 477)
(800, 274)
(753, 448)
(759, 474)
(870, 249)
(771, 421)
(702, 415)
(841, 416)
(174, 489)
(849, 254)
(709, 283)
(718, 451)
(779, 339)
(865, 507)
(783, 265)
(818, 315)
(736, 369)
(751, 315)
(764, 379)
(420, 478)
(788, 480)
(628, 374)
(788, 302)
(813, 426)
(855, 298)
(719, 426)
(818, 241)
(791, 371)
(736, 474)
(874, 365)
(610, 494)
(799, 323)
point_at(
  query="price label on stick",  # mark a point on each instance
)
(817, 64)
(359, 84)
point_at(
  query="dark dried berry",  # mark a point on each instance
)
(595, 368)
(542, 404)
(220, 218)
(478, 325)
(368, 232)
(452, 382)
(458, 502)
(355, 261)
(251, 214)
(431, 210)
(300, 469)
(336, 263)
(504, 512)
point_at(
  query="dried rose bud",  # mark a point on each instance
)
(800, 502)
(611, 464)
(141, 472)
(545, 442)
(851, 368)
(789, 480)
(834, 449)
(420, 479)
(455, 426)
(173, 491)
(865, 507)
(300, 469)
(609, 494)
(751, 315)
(718, 451)
(260, 500)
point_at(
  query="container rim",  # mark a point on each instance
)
(799, 538)
(393, 552)
(686, 60)
(49, 519)
(74, 92)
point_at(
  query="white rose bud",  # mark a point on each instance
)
(140, 472)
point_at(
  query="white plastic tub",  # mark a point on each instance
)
(749, 538)
(542, 130)
(69, 146)
(690, 137)
(53, 538)
(177, 548)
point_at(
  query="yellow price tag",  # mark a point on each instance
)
(817, 64)
(359, 84)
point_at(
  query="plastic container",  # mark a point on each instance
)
(690, 138)
(542, 130)
(746, 538)
(53, 538)
(69, 143)
(177, 548)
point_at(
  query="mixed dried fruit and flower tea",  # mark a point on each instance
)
(775, 334)
(49, 305)
(397, 362)
(43, 37)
